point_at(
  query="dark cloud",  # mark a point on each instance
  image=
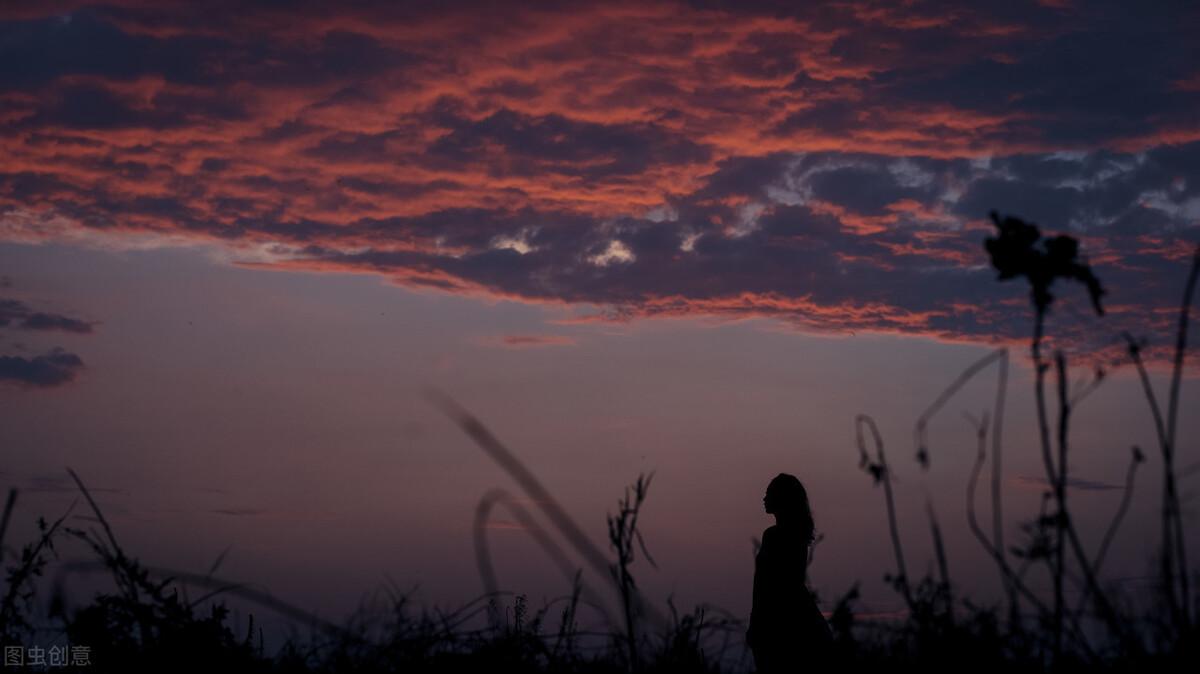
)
(744, 176)
(528, 341)
(91, 41)
(43, 321)
(48, 370)
(347, 55)
(1043, 203)
(863, 190)
(1077, 74)
(36, 52)
(14, 313)
(911, 269)
(98, 108)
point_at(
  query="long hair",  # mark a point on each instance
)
(790, 500)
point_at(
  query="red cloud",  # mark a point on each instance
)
(501, 152)
(528, 341)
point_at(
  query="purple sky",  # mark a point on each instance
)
(237, 245)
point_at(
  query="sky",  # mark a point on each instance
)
(240, 241)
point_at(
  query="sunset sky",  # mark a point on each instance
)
(239, 241)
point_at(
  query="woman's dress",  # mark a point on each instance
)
(787, 631)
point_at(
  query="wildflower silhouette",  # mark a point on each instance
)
(1015, 252)
(1020, 250)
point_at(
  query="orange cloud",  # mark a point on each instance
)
(830, 166)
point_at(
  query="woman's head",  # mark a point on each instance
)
(787, 500)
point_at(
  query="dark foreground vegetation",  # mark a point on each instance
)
(163, 620)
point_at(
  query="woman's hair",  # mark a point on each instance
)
(790, 499)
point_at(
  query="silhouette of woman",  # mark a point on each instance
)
(787, 632)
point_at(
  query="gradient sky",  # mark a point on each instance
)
(238, 240)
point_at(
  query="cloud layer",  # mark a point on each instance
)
(830, 166)
(54, 368)
(17, 314)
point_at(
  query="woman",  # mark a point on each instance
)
(787, 632)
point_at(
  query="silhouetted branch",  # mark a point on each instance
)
(483, 556)
(1135, 460)
(1019, 250)
(1060, 487)
(9, 504)
(882, 474)
(1065, 527)
(1013, 578)
(920, 430)
(217, 586)
(997, 480)
(1174, 553)
(921, 441)
(30, 566)
(622, 534)
(939, 551)
(1181, 335)
(1088, 387)
(532, 487)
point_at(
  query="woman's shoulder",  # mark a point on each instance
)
(781, 540)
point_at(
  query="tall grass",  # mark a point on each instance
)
(1104, 629)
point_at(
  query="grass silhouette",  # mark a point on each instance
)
(149, 616)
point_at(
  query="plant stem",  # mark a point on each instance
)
(1048, 462)
(1172, 416)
